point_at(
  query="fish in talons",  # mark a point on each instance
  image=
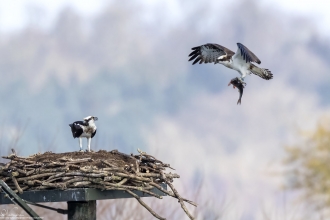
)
(237, 83)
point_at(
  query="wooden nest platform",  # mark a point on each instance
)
(105, 170)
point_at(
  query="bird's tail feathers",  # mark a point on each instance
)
(263, 73)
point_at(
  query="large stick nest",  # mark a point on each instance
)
(102, 170)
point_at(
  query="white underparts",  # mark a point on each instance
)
(221, 57)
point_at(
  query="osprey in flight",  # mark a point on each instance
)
(86, 128)
(241, 61)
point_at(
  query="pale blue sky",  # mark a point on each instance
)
(17, 13)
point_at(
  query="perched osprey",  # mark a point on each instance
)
(86, 128)
(241, 61)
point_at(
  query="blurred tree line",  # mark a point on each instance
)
(308, 167)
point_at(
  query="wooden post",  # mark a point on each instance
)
(82, 210)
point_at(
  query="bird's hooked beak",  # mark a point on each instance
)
(95, 118)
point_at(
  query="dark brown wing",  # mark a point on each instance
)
(76, 128)
(209, 53)
(247, 55)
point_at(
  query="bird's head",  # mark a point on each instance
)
(90, 119)
(232, 82)
(235, 82)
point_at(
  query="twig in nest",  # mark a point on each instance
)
(34, 177)
(21, 171)
(13, 157)
(78, 174)
(124, 187)
(109, 164)
(168, 175)
(55, 185)
(81, 184)
(23, 188)
(82, 179)
(178, 197)
(54, 170)
(20, 191)
(114, 169)
(137, 166)
(171, 193)
(112, 178)
(145, 205)
(32, 182)
(132, 176)
(122, 182)
(53, 180)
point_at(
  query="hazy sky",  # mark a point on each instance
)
(17, 13)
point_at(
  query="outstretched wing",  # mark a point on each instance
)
(263, 73)
(210, 53)
(246, 54)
